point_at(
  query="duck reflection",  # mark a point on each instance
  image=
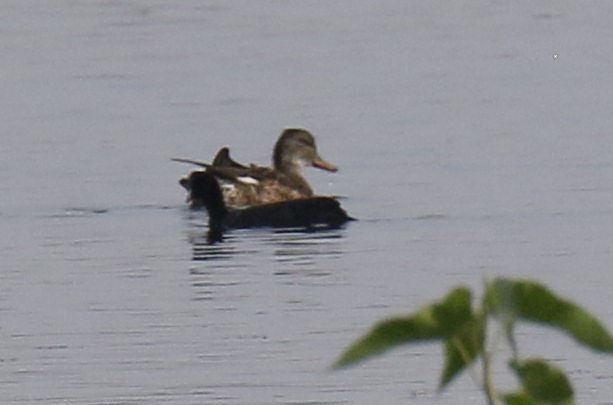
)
(252, 263)
(305, 248)
(289, 245)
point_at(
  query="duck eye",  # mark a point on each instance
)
(305, 142)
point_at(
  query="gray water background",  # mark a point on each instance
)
(473, 138)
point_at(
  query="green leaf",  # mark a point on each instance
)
(462, 348)
(543, 382)
(531, 301)
(520, 398)
(434, 321)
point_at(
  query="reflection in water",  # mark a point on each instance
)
(204, 251)
(302, 250)
(236, 266)
(290, 245)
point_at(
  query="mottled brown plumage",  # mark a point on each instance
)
(245, 186)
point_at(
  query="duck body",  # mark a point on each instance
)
(260, 185)
(299, 213)
(307, 213)
(246, 186)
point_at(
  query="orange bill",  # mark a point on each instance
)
(322, 164)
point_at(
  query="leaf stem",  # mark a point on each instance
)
(488, 384)
(488, 354)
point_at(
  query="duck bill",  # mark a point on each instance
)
(322, 164)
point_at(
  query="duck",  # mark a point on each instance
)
(309, 213)
(250, 185)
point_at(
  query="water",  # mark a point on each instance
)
(473, 141)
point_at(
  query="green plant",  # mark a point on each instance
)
(463, 330)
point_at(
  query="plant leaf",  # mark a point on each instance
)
(543, 382)
(463, 348)
(519, 398)
(434, 321)
(531, 301)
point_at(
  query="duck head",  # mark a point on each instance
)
(295, 149)
(206, 191)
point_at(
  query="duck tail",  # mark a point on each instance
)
(192, 162)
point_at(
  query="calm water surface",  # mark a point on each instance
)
(473, 140)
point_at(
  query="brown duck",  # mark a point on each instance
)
(245, 186)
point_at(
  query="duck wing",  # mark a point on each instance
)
(223, 159)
